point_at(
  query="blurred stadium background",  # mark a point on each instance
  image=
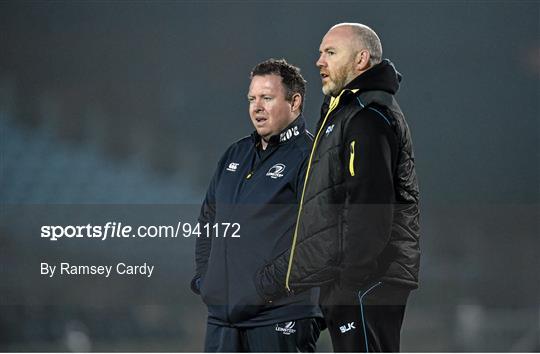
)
(133, 102)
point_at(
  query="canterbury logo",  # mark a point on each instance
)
(233, 166)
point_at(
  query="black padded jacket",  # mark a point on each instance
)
(358, 218)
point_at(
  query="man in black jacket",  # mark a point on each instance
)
(256, 189)
(357, 232)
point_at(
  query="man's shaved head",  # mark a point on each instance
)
(346, 51)
(366, 38)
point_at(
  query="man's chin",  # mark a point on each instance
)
(328, 90)
(325, 90)
(264, 134)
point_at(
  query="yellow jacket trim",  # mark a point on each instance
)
(351, 159)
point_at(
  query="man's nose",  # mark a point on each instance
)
(257, 107)
(320, 62)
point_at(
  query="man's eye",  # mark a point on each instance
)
(331, 53)
(267, 98)
(250, 99)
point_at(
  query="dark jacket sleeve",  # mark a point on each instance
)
(369, 153)
(203, 245)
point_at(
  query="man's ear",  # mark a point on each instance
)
(296, 102)
(362, 60)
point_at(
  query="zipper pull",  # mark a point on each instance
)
(249, 175)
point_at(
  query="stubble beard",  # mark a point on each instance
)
(334, 86)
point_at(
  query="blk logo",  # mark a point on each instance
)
(347, 327)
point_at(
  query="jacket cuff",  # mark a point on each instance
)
(267, 286)
(196, 284)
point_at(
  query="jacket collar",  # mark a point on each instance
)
(293, 130)
(381, 77)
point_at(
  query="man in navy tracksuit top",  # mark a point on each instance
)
(257, 184)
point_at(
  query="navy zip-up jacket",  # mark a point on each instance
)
(260, 190)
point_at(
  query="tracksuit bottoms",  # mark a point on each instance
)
(359, 319)
(292, 336)
(365, 319)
